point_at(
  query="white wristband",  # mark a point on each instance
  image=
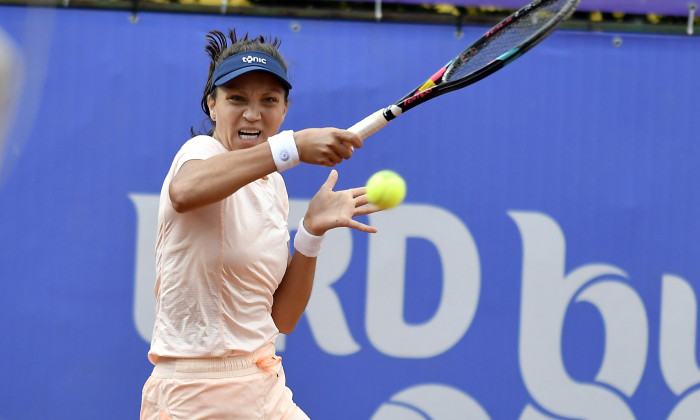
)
(306, 243)
(284, 150)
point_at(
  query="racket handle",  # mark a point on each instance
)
(369, 125)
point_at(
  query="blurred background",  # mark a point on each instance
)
(543, 266)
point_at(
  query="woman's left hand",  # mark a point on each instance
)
(330, 209)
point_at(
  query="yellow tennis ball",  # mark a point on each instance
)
(386, 189)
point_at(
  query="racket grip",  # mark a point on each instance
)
(369, 125)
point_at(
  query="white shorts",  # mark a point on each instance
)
(232, 388)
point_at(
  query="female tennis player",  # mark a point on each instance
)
(226, 283)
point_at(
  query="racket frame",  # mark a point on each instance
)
(436, 86)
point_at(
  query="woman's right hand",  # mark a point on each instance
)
(326, 146)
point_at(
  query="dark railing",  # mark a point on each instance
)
(443, 13)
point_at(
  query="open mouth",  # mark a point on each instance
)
(247, 135)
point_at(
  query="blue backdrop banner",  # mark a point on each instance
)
(543, 266)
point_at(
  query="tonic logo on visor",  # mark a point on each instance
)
(250, 59)
(239, 64)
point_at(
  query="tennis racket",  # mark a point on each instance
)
(498, 47)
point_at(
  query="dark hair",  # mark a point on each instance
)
(219, 50)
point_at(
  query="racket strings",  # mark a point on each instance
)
(510, 36)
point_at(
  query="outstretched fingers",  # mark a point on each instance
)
(365, 209)
(330, 182)
(330, 209)
(357, 192)
(354, 224)
(362, 204)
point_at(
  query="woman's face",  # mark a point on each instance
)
(248, 110)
